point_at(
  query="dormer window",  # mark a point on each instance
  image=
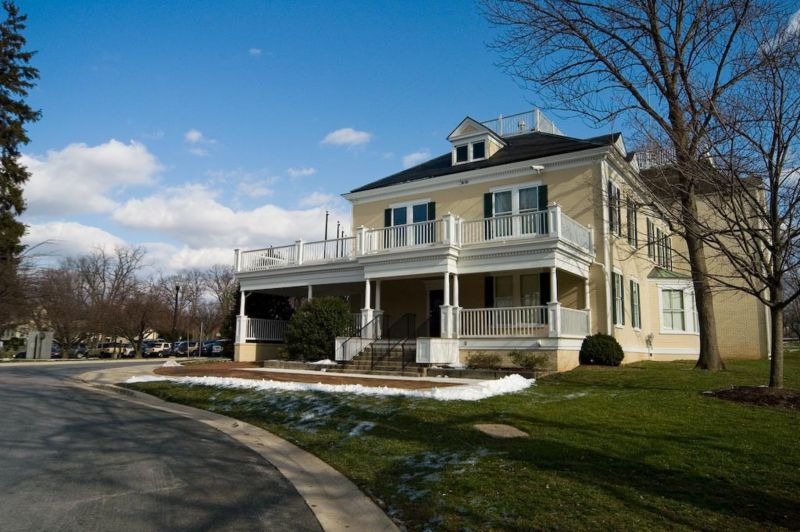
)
(473, 141)
(478, 150)
(462, 153)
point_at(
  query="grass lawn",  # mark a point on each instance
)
(635, 447)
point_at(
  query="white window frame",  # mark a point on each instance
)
(617, 210)
(485, 150)
(689, 312)
(470, 153)
(409, 206)
(514, 189)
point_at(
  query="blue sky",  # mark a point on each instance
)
(195, 127)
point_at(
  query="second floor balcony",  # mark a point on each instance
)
(448, 231)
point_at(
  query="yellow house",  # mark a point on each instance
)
(518, 239)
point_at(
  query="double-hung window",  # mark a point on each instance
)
(517, 211)
(421, 231)
(633, 225)
(614, 209)
(617, 299)
(673, 316)
(636, 306)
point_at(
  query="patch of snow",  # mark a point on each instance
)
(145, 378)
(361, 428)
(470, 392)
(171, 364)
(324, 362)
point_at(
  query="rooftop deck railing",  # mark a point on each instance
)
(450, 230)
(521, 123)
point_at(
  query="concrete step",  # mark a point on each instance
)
(406, 373)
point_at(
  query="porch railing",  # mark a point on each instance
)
(260, 330)
(498, 228)
(574, 322)
(404, 236)
(508, 321)
(449, 230)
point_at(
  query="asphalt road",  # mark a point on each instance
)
(77, 460)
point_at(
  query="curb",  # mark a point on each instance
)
(336, 502)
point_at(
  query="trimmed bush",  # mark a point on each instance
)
(312, 330)
(601, 350)
(529, 361)
(483, 361)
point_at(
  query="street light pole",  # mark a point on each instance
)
(175, 311)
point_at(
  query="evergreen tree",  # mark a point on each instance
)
(17, 77)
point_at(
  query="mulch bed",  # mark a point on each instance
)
(234, 369)
(760, 396)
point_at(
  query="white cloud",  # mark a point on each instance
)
(413, 159)
(347, 137)
(193, 215)
(255, 52)
(168, 257)
(253, 189)
(193, 136)
(84, 179)
(301, 172)
(317, 199)
(66, 239)
(198, 142)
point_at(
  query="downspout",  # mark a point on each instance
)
(606, 246)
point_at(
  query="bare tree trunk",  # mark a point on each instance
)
(776, 328)
(704, 302)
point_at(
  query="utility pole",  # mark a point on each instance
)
(326, 224)
(175, 311)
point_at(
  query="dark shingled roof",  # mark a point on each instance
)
(519, 148)
(661, 273)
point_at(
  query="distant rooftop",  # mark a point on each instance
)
(521, 123)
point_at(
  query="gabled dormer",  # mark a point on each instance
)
(472, 141)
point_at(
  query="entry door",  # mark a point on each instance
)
(435, 300)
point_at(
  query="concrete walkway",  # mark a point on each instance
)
(337, 503)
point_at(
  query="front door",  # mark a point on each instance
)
(435, 301)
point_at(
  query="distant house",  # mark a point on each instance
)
(519, 238)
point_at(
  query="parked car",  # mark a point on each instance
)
(211, 348)
(186, 348)
(112, 349)
(156, 349)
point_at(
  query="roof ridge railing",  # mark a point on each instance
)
(521, 123)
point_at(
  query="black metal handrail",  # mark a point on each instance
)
(397, 334)
(375, 324)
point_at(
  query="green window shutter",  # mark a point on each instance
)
(432, 210)
(542, 197)
(387, 217)
(487, 213)
(634, 304)
(649, 238)
(635, 227)
(488, 291)
(544, 288)
(610, 207)
(622, 300)
(614, 298)
(638, 307)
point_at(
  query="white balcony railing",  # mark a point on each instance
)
(503, 322)
(522, 123)
(449, 230)
(499, 228)
(404, 236)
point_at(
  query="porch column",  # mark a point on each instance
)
(310, 292)
(241, 320)
(446, 325)
(587, 306)
(366, 313)
(455, 311)
(553, 308)
(377, 294)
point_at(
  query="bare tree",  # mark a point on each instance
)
(755, 186)
(107, 280)
(662, 66)
(221, 282)
(141, 312)
(61, 307)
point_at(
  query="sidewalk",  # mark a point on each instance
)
(337, 503)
